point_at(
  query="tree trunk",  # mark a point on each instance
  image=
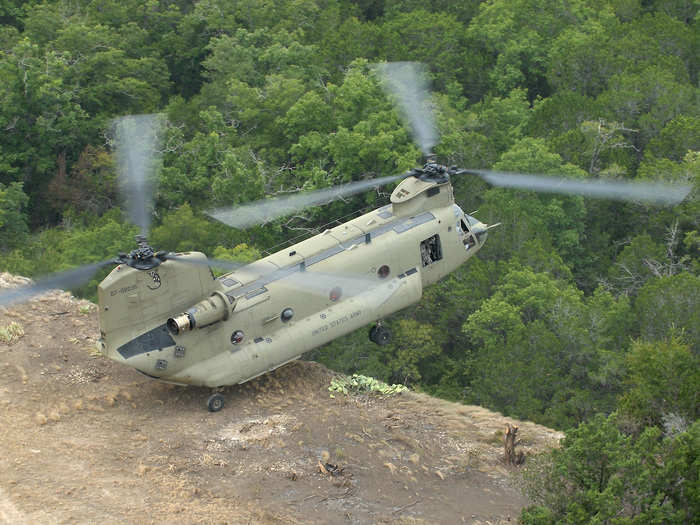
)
(510, 442)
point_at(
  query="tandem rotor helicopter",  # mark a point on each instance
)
(166, 315)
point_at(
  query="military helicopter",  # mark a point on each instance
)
(170, 318)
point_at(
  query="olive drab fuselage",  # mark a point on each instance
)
(178, 323)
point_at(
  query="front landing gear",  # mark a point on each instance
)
(215, 402)
(379, 334)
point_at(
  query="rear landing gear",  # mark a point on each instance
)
(215, 402)
(379, 334)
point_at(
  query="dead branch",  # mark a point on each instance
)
(510, 441)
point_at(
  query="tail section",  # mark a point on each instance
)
(136, 304)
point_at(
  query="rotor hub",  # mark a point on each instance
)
(433, 172)
(141, 258)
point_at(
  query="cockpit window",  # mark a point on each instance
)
(469, 241)
(470, 220)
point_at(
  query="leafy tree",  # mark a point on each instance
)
(562, 112)
(414, 347)
(72, 245)
(105, 78)
(90, 187)
(209, 169)
(582, 59)
(250, 56)
(463, 134)
(312, 113)
(105, 238)
(677, 138)
(534, 323)
(41, 117)
(559, 119)
(364, 136)
(13, 220)
(662, 383)
(434, 38)
(45, 19)
(181, 230)
(347, 41)
(502, 119)
(354, 354)
(518, 36)
(556, 220)
(647, 100)
(670, 303)
(656, 39)
(609, 143)
(463, 11)
(12, 12)
(64, 79)
(239, 253)
(672, 224)
(635, 264)
(601, 475)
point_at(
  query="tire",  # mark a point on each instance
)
(215, 402)
(379, 335)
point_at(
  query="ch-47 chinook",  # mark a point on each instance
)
(169, 317)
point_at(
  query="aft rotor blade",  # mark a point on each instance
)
(214, 263)
(136, 144)
(60, 280)
(266, 210)
(407, 81)
(317, 282)
(660, 193)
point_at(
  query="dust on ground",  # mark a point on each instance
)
(86, 440)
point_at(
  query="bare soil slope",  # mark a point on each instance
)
(85, 440)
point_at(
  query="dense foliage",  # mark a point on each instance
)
(575, 307)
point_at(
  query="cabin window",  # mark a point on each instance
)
(335, 293)
(468, 238)
(431, 250)
(383, 271)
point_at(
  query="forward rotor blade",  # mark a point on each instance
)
(322, 283)
(264, 211)
(407, 81)
(136, 144)
(640, 191)
(60, 280)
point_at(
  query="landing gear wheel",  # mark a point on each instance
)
(215, 402)
(380, 335)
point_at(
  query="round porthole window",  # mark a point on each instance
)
(286, 315)
(383, 271)
(237, 337)
(335, 294)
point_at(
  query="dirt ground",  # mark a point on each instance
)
(85, 440)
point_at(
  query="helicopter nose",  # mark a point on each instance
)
(480, 230)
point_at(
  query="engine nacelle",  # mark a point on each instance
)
(204, 313)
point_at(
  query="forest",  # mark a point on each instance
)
(581, 314)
